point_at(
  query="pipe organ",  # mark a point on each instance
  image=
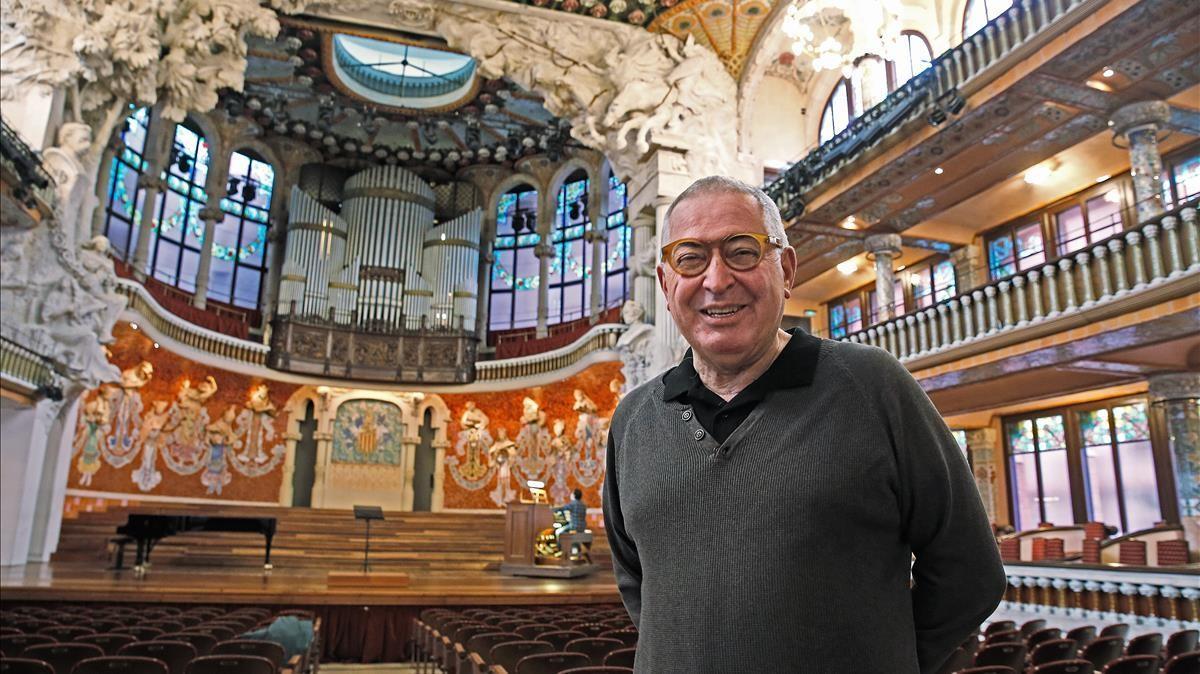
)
(382, 269)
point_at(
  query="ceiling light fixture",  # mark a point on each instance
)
(1108, 72)
(1103, 178)
(133, 325)
(938, 171)
(848, 267)
(850, 223)
(832, 34)
(1038, 175)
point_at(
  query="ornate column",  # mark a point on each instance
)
(1018, 282)
(1068, 282)
(1085, 278)
(1101, 255)
(884, 249)
(970, 269)
(596, 235)
(1191, 237)
(1174, 257)
(1137, 125)
(211, 214)
(1178, 395)
(1115, 246)
(1006, 311)
(1035, 294)
(984, 449)
(1051, 289)
(544, 251)
(643, 257)
(968, 317)
(484, 278)
(1134, 239)
(1154, 252)
(158, 146)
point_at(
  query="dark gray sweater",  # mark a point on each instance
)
(788, 547)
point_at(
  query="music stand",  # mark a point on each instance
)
(367, 513)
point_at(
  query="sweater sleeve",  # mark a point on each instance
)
(626, 565)
(958, 578)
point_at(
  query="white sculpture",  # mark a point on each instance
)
(634, 345)
(67, 163)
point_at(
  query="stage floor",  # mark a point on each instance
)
(76, 581)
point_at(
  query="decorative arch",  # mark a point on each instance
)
(570, 166)
(441, 442)
(502, 188)
(294, 409)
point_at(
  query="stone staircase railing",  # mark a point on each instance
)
(1157, 598)
(1125, 265)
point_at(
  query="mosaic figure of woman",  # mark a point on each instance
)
(96, 416)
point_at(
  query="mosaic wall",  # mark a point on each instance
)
(555, 433)
(368, 432)
(174, 427)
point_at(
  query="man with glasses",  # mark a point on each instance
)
(765, 498)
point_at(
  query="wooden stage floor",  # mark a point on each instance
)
(79, 581)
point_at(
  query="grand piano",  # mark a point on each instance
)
(148, 529)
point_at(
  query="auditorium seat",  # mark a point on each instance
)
(230, 664)
(167, 626)
(1082, 636)
(1116, 630)
(1006, 654)
(1009, 637)
(14, 645)
(989, 669)
(627, 636)
(601, 669)
(1032, 626)
(1064, 667)
(1103, 650)
(141, 633)
(961, 658)
(622, 657)
(1133, 664)
(1184, 663)
(5, 630)
(121, 664)
(66, 632)
(1044, 634)
(595, 647)
(560, 638)
(532, 631)
(201, 641)
(218, 632)
(1145, 644)
(104, 625)
(63, 657)
(1052, 651)
(592, 629)
(24, 666)
(1183, 641)
(508, 654)
(176, 654)
(109, 643)
(550, 663)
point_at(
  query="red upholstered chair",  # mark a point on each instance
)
(14, 645)
(1184, 663)
(1009, 637)
(109, 643)
(230, 664)
(1044, 634)
(202, 641)
(629, 637)
(141, 633)
(508, 654)
(1053, 650)
(263, 649)
(167, 626)
(1064, 667)
(532, 631)
(1006, 654)
(1082, 635)
(560, 638)
(120, 664)
(176, 654)
(6, 630)
(593, 629)
(62, 658)
(1000, 626)
(66, 632)
(1032, 626)
(104, 625)
(1116, 630)
(1183, 641)
(24, 666)
(550, 663)
(1145, 644)
(622, 657)
(1103, 651)
(595, 647)
(1133, 664)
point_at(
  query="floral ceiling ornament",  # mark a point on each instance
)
(832, 34)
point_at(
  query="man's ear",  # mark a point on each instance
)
(662, 283)
(787, 259)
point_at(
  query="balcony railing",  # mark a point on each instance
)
(1135, 596)
(34, 183)
(29, 370)
(602, 337)
(933, 93)
(1125, 265)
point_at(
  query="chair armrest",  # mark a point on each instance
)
(478, 666)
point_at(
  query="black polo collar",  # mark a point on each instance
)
(794, 366)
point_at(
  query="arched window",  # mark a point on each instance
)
(240, 239)
(178, 230)
(980, 12)
(837, 112)
(569, 267)
(914, 57)
(868, 84)
(122, 215)
(513, 300)
(616, 245)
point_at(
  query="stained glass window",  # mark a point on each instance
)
(514, 280)
(897, 302)
(240, 238)
(868, 84)
(178, 230)
(123, 215)
(570, 268)
(1041, 482)
(1121, 481)
(837, 321)
(1029, 251)
(845, 317)
(1186, 176)
(616, 245)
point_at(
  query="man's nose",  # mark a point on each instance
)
(718, 277)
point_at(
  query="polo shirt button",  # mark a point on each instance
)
(687, 415)
(699, 434)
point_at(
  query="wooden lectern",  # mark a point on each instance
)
(522, 524)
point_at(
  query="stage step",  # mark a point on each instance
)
(312, 538)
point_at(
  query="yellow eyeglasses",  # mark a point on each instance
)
(742, 252)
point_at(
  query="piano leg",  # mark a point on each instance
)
(267, 566)
(139, 567)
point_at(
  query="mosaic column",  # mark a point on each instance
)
(484, 280)
(642, 260)
(596, 235)
(211, 214)
(158, 145)
(982, 445)
(884, 249)
(1178, 393)
(544, 252)
(1138, 124)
